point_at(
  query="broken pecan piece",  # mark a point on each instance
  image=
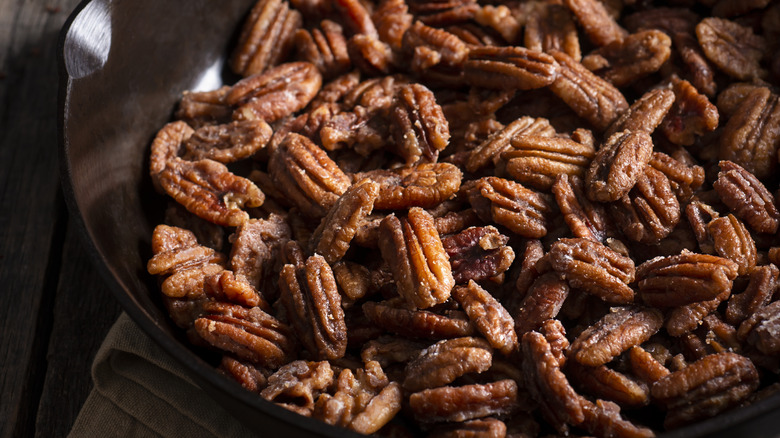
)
(763, 284)
(298, 384)
(478, 253)
(413, 250)
(760, 329)
(692, 114)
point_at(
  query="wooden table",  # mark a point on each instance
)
(54, 308)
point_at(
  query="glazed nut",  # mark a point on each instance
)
(445, 361)
(509, 68)
(618, 165)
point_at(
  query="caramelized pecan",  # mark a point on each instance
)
(424, 185)
(420, 129)
(586, 219)
(645, 114)
(463, 403)
(758, 293)
(600, 27)
(508, 203)
(478, 253)
(747, 197)
(691, 115)
(298, 384)
(549, 27)
(266, 38)
(445, 361)
(499, 142)
(760, 329)
(488, 315)
(623, 62)
(325, 47)
(618, 164)
(733, 48)
(538, 160)
(542, 302)
(509, 68)
(417, 323)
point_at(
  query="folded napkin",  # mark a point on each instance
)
(141, 391)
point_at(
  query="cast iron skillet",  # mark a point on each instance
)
(123, 66)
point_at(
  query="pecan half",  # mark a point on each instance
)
(684, 178)
(417, 323)
(266, 38)
(307, 176)
(542, 302)
(257, 246)
(312, 302)
(760, 329)
(499, 142)
(751, 137)
(508, 203)
(590, 96)
(392, 19)
(325, 47)
(685, 278)
(441, 13)
(509, 68)
(549, 27)
(538, 160)
(705, 388)
(478, 253)
(747, 197)
(298, 384)
(618, 164)
(333, 236)
(594, 268)
(246, 374)
(479, 428)
(201, 108)
(413, 250)
(488, 315)
(645, 114)
(600, 27)
(606, 383)
(420, 129)
(758, 293)
(276, 93)
(618, 331)
(686, 318)
(733, 48)
(445, 361)
(430, 47)
(424, 185)
(623, 62)
(250, 334)
(586, 219)
(463, 403)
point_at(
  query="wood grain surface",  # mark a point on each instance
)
(54, 308)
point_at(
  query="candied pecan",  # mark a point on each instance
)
(588, 95)
(650, 211)
(276, 93)
(500, 19)
(246, 374)
(733, 241)
(298, 384)
(542, 302)
(645, 366)
(606, 383)
(207, 233)
(445, 361)
(229, 142)
(413, 250)
(509, 68)
(418, 323)
(478, 253)
(600, 27)
(431, 47)
(200, 108)
(751, 137)
(618, 331)
(388, 350)
(325, 47)
(684, 278)
(528, 272)
(537, 160)
(420, 129)
(357, 17)
(499, 142)
(175, 248)
(189, 282)
(250, 334)
(747, 197)
(225, 286)
(603, 419)
(636, 56)
(439, 13)
(691, 115)
(424, 185)
(733, 48)
(645, 114)
(479, 428)
(763, 284)
(521, 210)
(555, 334)
(548, 385)
(392, 19)
(463, 403)
(332, 237)
(370, 55)
(307, 176)
(257, 244)
(312, 302)
(684, 178)
(549, 27)
(705, 388)
(204, 187)
(266, 38)
(732, 97)
(594, 268)
(618, 164)
(686, 318)
(586, 219)
(456, 221)
(488, 315)
(760, 329)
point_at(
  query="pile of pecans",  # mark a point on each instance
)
(454, 218)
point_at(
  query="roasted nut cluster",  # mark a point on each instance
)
(455, 218)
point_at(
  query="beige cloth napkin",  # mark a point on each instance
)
(141, 391)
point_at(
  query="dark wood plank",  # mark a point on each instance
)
(84, 311)
(31, 209)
